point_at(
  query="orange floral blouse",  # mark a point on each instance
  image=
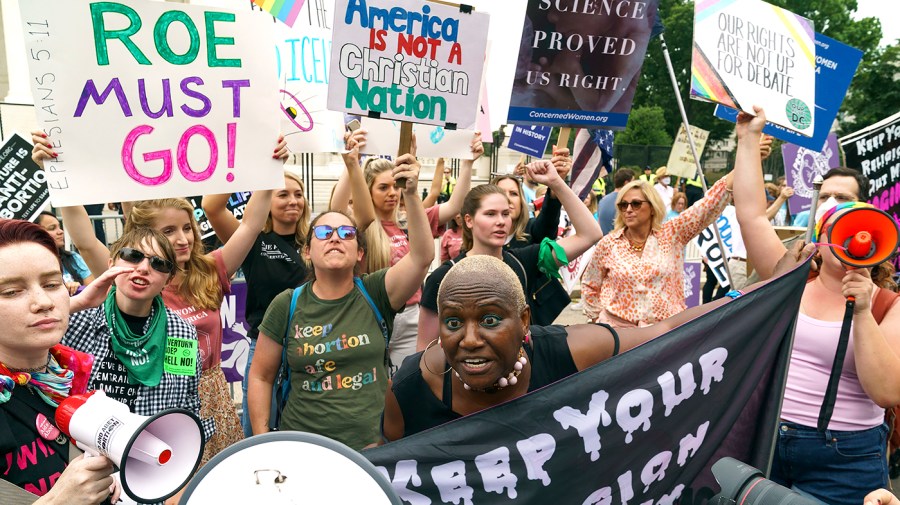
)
(621, 288)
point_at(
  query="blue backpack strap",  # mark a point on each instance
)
(381, 322)
(282, 386)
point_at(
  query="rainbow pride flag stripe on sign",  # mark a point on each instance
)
(285, 10)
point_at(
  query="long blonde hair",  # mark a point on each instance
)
(200, 284)
(657, 207)
(521, 222)
(378, 251)
(303, 224)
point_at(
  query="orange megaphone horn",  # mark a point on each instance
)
(869, 237)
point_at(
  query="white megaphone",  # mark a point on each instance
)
(156, 455)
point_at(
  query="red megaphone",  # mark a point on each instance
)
(870, 237)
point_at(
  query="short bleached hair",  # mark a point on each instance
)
(487, 269)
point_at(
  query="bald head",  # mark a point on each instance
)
(485, 275)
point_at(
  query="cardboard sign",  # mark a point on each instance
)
(579, 62)
(408, 60)
(531, 140)
(692, 289)
(153, 99)
(802, 165)
(753, 53)
(23, 186)
(836, 64)
(432, 141)
(681, 159)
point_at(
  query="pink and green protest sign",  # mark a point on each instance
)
(149, 99)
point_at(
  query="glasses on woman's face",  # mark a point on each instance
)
(635, 205)
(324, 232)
(135, 257)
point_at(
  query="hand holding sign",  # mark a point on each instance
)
(562, 162)
(407, 169)
(748, 124)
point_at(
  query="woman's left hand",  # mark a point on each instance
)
(543, 172)
(281, 149)
(407, 167)
(95, 293)
(858, 284)
(562, 161)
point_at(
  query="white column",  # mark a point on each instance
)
(16, 64)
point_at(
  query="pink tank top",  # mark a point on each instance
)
(814, 346)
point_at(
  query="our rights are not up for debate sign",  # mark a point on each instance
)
(408, 60)
(149, 99)
(753, 53)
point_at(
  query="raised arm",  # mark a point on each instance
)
(242, 238)
(587, 230)
(363, 208)
(405, 277)
(764, 248)
(222, 220)
(546, 224)
(436, 182)
(449, 209)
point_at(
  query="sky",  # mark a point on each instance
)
(889, 14)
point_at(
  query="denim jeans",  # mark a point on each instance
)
(245, 414)
(837, 467)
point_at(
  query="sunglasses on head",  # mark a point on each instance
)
(635, 205)
(324, 232)
(135, 257)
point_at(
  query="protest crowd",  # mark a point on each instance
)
(550, 310)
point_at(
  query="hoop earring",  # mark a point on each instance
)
(425, 361)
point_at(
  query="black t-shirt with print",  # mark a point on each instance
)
(272, 266)
(28, 459)
(111, 377)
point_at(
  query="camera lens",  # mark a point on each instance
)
(743, 484)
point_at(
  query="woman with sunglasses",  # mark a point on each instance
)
(336, 349)
(199, 283)
(636, 275)
(387, 242)
(845, 460)
(486, 227)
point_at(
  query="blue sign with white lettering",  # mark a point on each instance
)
(531, 140)
(836, 64)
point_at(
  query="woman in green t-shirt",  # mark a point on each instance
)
(335, 344)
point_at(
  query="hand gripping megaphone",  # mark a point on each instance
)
(156, 455)
(868, 236)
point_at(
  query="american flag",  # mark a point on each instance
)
(592, 159)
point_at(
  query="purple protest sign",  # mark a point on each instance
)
(235, 342)
(692, 283)
(802, 165)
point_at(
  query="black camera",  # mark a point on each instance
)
(741, 483)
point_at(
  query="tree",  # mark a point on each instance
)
(646, 127)
(875, 92)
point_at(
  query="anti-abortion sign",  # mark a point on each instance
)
(531, 140)
(383, 139)
(875, 151)
(408, 60)
(681, 159)
(236, 204)
(23, 186)
(802, 165)
(716, 258)
(579, 62)
(835, 66)
(754, 53)
(149, 99)
(641, 427)
(235, 342)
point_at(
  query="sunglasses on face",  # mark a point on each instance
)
(135, 257)
(635, 205)
(324, 232)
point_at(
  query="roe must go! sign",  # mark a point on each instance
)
(148, 99)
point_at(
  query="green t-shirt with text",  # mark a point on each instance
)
(335, 350)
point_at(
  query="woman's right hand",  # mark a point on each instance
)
(407, 167)
(750, 125)
(86, 481)
(95, 293)
(880, 497)
(42, 148)
(354, 142)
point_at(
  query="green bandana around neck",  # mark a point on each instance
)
(142, 355)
